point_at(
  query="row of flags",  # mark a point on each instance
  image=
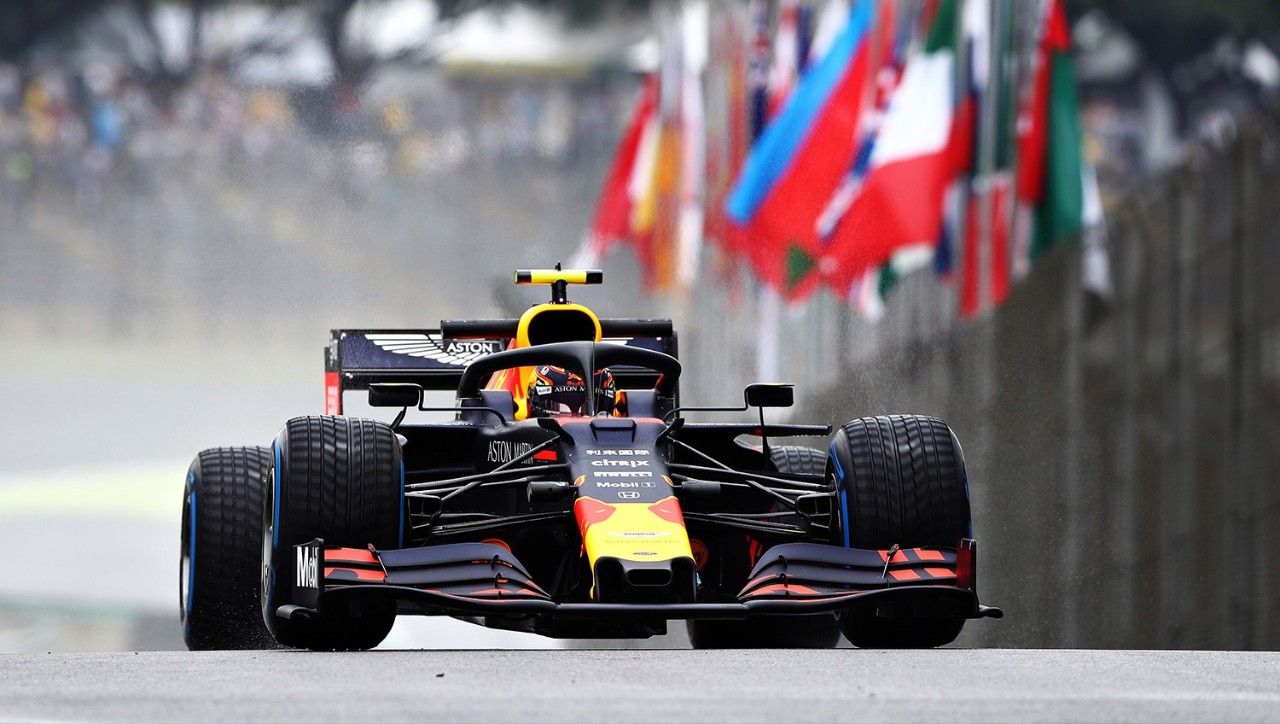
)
(877, 138)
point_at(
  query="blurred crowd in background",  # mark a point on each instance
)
(113, 117)
(74, 128)
(145, 202)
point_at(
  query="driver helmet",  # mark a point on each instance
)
(555, 391)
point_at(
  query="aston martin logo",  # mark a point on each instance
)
(435, 347)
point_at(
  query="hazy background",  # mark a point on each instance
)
(193, 194)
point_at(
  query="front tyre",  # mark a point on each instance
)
(339, 479)
(901, 481)
(219, 556)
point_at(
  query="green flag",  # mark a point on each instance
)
(1051, 163)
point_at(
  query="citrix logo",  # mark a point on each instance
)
(612, 463)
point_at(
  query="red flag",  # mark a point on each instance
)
(785, 221)
(1033, 117)
(900, 205)
(923, 143)
(998, 256)
(802, 158)
(612, 222)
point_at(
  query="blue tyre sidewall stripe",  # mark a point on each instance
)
(191, 552)
(275, 497)
(844, 497)
(844, 508)
(277, 471)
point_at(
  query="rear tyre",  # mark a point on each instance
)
(901, 480)
(339, 479)
(808, 632)
(219, 557)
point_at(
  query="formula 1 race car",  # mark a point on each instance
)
(571, 497)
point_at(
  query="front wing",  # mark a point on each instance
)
(482, 579)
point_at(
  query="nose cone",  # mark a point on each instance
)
(619, 580)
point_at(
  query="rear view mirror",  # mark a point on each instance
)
(394, 394)
(776, 394)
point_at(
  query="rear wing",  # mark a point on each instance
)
(435, 358)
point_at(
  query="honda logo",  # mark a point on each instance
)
(628, 495)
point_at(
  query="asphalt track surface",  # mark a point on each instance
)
(644, 685)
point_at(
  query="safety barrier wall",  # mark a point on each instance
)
(1124, 455)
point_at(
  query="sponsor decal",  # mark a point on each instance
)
(504, 451)
(640, 534)
(612, 452)
(625, 484)
(542, 389)
(435, 347)
(628, 495)
(471, 347)
(612, 463)
(306, 573)
(616, 474)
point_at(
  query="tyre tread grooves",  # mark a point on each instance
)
(905, 485)
(229, 484)
(339, 486)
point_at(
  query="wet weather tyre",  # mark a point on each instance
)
(808, 632)
(901, 480)
(339, 479)
(798, 459)
(219, 556)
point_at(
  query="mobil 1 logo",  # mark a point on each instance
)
(306, 569)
